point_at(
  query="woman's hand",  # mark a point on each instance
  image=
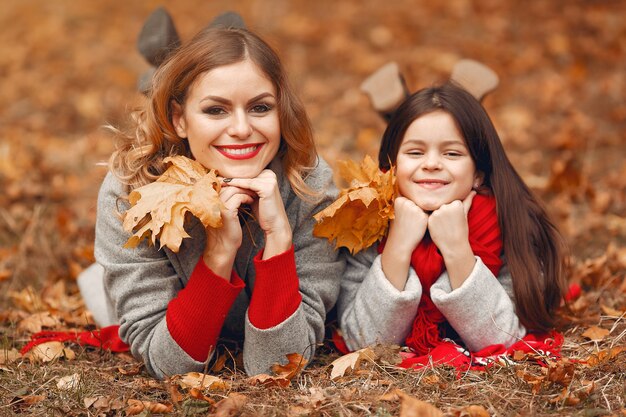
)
(269, 210)
(405, 233)
(449, 230)
(223, 242)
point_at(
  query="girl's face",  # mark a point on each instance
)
(231, 120)
(434, 166)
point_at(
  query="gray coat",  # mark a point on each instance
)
(372, 310)
(139, 283)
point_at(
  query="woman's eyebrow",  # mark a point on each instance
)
(226, 101)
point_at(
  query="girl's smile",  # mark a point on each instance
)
(434, 166)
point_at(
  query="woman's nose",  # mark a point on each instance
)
(240, 125)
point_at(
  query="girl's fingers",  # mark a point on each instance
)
(467, 203)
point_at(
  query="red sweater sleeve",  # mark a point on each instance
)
(195, 317)
(276, 294)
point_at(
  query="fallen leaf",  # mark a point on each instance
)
(27, 299)
(295, 365)
(471, 411)
(201, 381)
(596, 333)
(269, 381)
(361, 214)
(350, 362)
(135, 407)
(50, 351)
(158, 209)
(69, 382)
(8, 356)
(535, 381)
(611, 311)
(604, 356)
(283, 374)
(230, 406)
(132, 370)
(37, 321)
(561, 372)
(5, 274)
(412, 407)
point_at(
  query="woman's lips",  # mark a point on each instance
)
(239, 152)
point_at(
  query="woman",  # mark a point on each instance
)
(222, 99)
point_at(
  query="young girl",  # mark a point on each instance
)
(462, 218)
(223, 100)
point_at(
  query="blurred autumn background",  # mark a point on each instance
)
(67, 68)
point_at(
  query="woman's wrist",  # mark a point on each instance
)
(277, 242)
(221, 263)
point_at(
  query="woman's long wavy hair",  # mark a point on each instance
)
(535, 252)
(138, 159)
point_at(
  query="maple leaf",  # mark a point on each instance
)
(158, 209)
(136, 407)
(351, 362)
(361, 214)
(596, 333)
(200, 381)
(412, 407)
(283, 373)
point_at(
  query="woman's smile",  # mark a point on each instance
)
(239, 152)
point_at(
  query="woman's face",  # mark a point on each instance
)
(434, 166)
(230, 119)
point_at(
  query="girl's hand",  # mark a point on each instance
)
(405, 233)
(223, 242)
(448, 229)
(269, 210)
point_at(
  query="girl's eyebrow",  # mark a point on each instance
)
(226, 101)
(422, 142)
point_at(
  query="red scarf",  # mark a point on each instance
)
(485, 241)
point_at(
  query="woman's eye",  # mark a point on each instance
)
(214, 111)
(261, 108)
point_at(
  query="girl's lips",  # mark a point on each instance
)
(431, 184)
(239, 152)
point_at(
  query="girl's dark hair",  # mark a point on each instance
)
(533, 247)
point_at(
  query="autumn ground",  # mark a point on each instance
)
(67, 67)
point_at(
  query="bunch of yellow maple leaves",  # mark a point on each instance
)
(356, 220)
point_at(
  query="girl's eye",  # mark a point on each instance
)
(261, 108)
(415, 153)
(214, 111)
(453, 154)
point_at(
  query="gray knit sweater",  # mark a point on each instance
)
(371, 310)
(139, 283)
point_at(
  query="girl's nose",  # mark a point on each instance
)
(432, 161)
(240, 125)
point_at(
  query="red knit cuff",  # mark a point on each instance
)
(196, 315)
(276, 294)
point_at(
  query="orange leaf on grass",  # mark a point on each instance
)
(361, 214)
(596, 333)
(135, 407)
(158, 209)
(283, 373)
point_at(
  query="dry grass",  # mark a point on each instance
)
(69, 67)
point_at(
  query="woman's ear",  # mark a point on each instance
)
(178, 120)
